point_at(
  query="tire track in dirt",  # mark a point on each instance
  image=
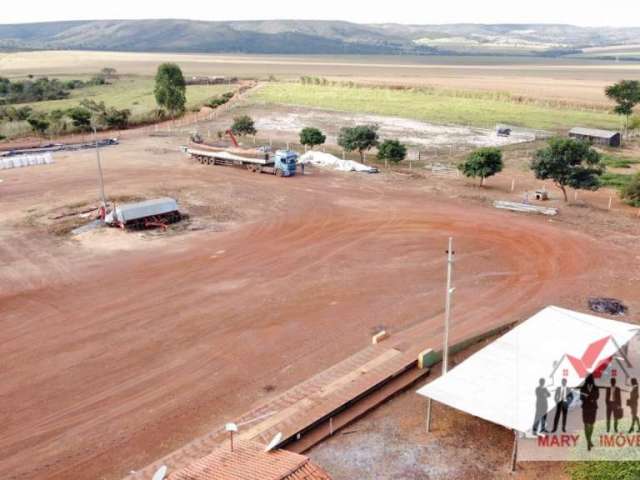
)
(127, 360)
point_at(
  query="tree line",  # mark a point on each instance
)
(360, 138)
(44, 89)
(567, 162)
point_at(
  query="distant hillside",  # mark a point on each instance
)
(309, 37)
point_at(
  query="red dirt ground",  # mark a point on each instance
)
(113, 357)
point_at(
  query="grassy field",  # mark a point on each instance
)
(433, 105)
(614, 161)
(134, 93)
(615, 180)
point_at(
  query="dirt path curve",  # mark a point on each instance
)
(136, 352)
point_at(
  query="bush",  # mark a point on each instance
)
(97, 80)
(631, 192)
(221, 100)
(13, 114)
(73, 84)
(80, 117)
(243, 125)
(108, 117)
(115, 118)
(39, 123)
(392, 151)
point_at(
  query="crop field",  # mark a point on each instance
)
(440, 106)
(571, 79)
(619, 51)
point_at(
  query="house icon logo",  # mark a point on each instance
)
(603, 358)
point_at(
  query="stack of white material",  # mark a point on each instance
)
(327, 160)
(524, 207)
(26, 160)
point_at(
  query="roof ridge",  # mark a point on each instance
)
(293, 470)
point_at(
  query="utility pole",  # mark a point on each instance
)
(447, 308)
(100, 178)
(447, 318)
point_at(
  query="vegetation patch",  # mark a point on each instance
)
(133, 94)
(619, 162)
(615, 180)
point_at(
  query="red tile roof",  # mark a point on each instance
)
(249, 461)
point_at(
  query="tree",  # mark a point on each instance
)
(5, 85)
(631, 191)
(80, 118)
(392, 151)
(109, 72)
(311, 136)
(626, 93)
(115, 118)
(57, 119)
(108, 117)
(243, 125)
(360, 138)
(23, 113)
(39, 123)
(170, 89)
(569, 163)
(483, 163)
(634, 124)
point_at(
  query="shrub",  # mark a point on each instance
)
(80, 118)
(605, 471)
(243, 125)
(39, 123)
(392, 151)
(631, 192)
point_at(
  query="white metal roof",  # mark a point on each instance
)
(147, 208)
(593, 132)
(498, 382)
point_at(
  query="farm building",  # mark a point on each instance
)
(498, 383)
(156, 212)
(600, 137)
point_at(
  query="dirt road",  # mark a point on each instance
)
(115, 356)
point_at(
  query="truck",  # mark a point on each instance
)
(282, 163)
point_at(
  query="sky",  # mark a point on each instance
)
(576, 12)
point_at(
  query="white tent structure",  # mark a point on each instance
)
(498, 382)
